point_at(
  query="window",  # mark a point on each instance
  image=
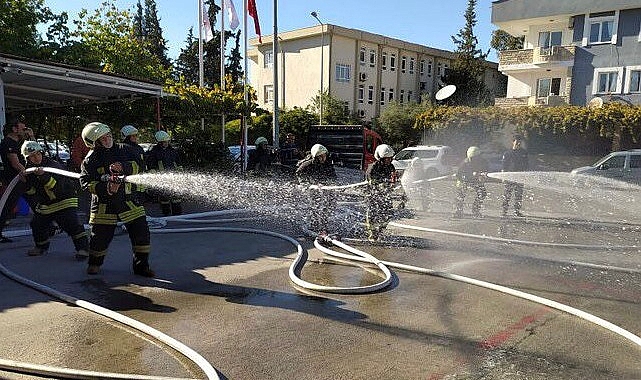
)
(403, 61)
(391, 95)
(269, 58)
(600, 28)
(635, 161)
(362, 55)
(409, 96)
(429, 68)
(411, 65)
(422, 86)
(607, 80)
(392, 62)
(361, 93)
(549, 39)
(345, 108)
(382, 96)
(633, 80)
(445, 68)
(422, 67)
(384, 61)
(268, 93)
(372, 58)
(548, 86)
(343, 72)
(439, 69)
(370, 94)
(400, 96)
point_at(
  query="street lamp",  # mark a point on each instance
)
(320, 115)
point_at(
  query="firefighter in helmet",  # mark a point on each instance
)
(381, 181)
(113, 199)
(53, 198)
(260, 158)
(164, 157)
(471, 174)
(314, 171)
(130, 137)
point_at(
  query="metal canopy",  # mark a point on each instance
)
(30, 85)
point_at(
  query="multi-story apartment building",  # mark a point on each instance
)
(574, 51)
(363, 69)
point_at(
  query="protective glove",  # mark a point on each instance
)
(116, 168)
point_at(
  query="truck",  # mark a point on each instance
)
(351, 146)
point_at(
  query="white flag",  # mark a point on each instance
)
(231, 14)
(209, 35)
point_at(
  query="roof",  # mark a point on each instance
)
(30, 84)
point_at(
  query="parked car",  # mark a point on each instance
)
(55, 150)
(621, 165)
(435, 160)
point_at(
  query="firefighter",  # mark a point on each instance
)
(102, 173)
(316, 170)
(130, 137)
(260, 158)
(163, 157)
(381, 181)
(53, 198)
(514, 160)
(471, 174)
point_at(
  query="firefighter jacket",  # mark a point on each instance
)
(139, 151)
(471, 170)
(124, 205)
(49, 193)
(313, 172)
(515, 160)
(161, 158)
(381, 177)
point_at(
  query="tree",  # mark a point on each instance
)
(397, 122)
(112, 44)
(234, 67)
(153, 33)
(18, 21)
(334, 110)
(502, 40)
(296, 121)
(187, 63)
(469, 66)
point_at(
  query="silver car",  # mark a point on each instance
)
(621, 166)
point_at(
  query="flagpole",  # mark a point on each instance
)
(201, 64)
(245, 94)
(275, 131)
(222, 64)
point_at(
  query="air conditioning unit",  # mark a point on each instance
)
(362, 77)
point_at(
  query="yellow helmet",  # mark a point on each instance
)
(162, 136)
(92, 132)
(30, 147)
(317, 150)
(128, 130)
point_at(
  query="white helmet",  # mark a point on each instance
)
(317, 150)
(128, 130)
(383, 151)
(260, 140)
(30, 147)
(473, 151)
(92, 132)
(162, 136)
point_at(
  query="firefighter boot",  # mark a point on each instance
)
(141, 266)
(94, 263)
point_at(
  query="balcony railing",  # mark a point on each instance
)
(522, 101)
(536, 56)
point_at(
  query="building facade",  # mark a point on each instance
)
(365, 70)
(574, 51)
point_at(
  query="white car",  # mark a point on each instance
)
(622, 166)
(433, 160)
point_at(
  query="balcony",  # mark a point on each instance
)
(536, 58)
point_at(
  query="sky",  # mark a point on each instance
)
(426, 22)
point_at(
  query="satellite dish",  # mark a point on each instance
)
(595, 103)
(445, 92)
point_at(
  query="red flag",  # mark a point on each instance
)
(251, 9)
